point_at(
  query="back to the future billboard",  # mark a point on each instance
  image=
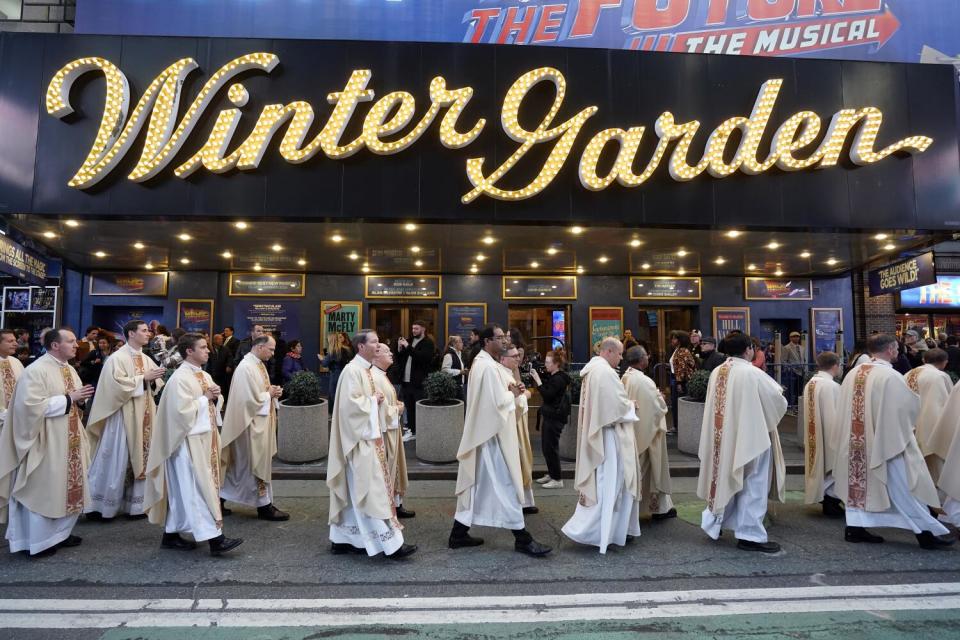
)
(875, 30)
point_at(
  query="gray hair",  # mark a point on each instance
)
(610, 343)
(635, 355)
(264, 339)
(359, 338)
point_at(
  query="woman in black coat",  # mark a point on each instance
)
(555, 411)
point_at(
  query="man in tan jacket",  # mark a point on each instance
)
(249, 438)
(120, 425)
(44, 454)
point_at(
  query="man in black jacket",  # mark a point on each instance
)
(953, 354)
(415, 358)
(710, 357)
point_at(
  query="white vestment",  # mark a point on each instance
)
(493, 501)
(113, 488)
(240, 485)
(822, 398)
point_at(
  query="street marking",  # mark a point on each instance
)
(106, 614)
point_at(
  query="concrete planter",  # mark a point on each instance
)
(689, 425)
(439, 431)
(303, 433)
(568, 437)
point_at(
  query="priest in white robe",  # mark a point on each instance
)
(651, 436)
(183, 467)
(608, 473)
(489, 478)
(933, 385)
(10, 370)
(945, 445)
(120, 425)
(363, 514)
(880, 473)
(740, 453)
(391, 410)
(44, 453)
(821, 396)
(248, 441)
(510, 360)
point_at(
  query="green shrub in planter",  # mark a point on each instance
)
(697, 385)
(440, 389)
(302, 390)
(576, 380)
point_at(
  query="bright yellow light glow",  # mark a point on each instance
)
(226, 254)
(185, 237)
(49, 234)
(241, 225)
(100, 254)
(184, 260)
(337, 237)
(277, 248)
(138, 245)
(72, 223)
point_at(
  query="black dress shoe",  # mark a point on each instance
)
(859, 534)
(342, 548)
(174, 541)
(665, 516)
(139, 516)
(46, 553)
(460, 542)
(929, 541)
(71, 541)
(272, 514)
(762, 547)
(833, 507)
(96, 516)
(221, 544)
(529, 511)
(532, 548)
(404, 551)
(405, 513)
(223, 509)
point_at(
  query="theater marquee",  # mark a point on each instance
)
(395, 122)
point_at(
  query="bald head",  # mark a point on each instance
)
(611, 350)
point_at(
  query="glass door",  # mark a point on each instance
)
(543, 327)
(391, 321)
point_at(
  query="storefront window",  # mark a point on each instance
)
(10, 9)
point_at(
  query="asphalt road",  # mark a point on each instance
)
(283, 582)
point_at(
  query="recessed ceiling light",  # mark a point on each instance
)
(337, 237)
(534, 264)
(720, 260)
(365, 269)
(148, 266)
(257, 267)
(481, 257)
(353, 256)
(751, 267)
(576, 230)
(635, 243)
(410, 226)
(138, 245)
(552, 251)
(418, 263)
(72, 223)
(302, 262)
(241, 225)
(832, 261)
(681, 272)
(645, 265)
(488, 240)
(516, 282)
(415, 249)
(778, 272)
(185, 236)
(184, 260)
(49, 234)
(881, 236)
(681, 253)
(473, 268)
(579, 269)
(100, 254)
(773, 245)
(733, 233)
(603, 259)
(277, 248)
(226, 254)
(889, 246)
(805, 254)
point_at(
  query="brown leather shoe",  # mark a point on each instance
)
(272, 514)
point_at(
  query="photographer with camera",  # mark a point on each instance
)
(552, 382)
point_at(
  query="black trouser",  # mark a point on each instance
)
(410, 396)
(550, 444)
(461, 530)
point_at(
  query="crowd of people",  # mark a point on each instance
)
(881, 448)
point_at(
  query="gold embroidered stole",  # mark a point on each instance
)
(811, 427)
(719, 408)
(138, 370)
(9, 381)
(74, 450)
(261, 485)
(214, 441)
(913, 380)
(857, 469)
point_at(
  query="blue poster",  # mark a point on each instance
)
(827, 323)
(464, 317)
(112, 318)
(273, 316)
(877, 30)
